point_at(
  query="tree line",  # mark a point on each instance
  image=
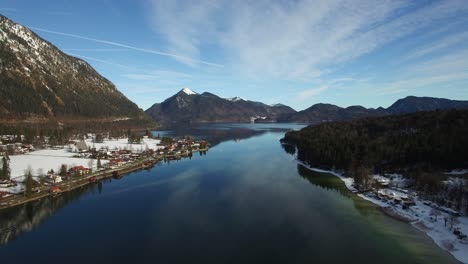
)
(411, 143)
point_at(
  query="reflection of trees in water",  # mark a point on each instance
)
(215, 135)
(290, 149)
(330, 182)
(323, 180)
(24, 218)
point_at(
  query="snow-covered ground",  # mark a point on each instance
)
(42, 161)
(45, 160)
(420, 216)
(122, 143)
(457, 172)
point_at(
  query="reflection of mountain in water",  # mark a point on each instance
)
(24, 218)
(215, 134)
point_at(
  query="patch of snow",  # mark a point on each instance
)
(122, 143)
(121, 119)
(188, 91)
(236, 99)
(457, 172)
(181, 103)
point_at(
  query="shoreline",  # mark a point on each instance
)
(82, 181)
(17, 199)
(460, 255)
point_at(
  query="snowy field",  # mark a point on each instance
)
(122, 143)
(420, 216)
(45, 160)
(53, 158)
(42, 161)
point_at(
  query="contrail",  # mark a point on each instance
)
(102, 61)
(95, 49)
(127, 46)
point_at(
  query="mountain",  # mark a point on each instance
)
(328, 112)
(415, 104)
(38, 83)
(189, 106)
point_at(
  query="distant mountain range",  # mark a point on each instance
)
(189, 106)
(38, 83)
(327, 112)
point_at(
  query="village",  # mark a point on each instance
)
(31, 172)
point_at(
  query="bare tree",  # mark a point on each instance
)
(434, 212)
(453, 221)
(90, 164)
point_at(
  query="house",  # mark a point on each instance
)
(81, 146)
(54, 178)
(116, 162)
(79, 169)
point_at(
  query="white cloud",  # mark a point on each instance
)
(297, 40)
(185, 26)
(308, 93)
(439, 45)
(155, 75)
(432, 73)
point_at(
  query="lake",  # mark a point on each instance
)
(245, 201)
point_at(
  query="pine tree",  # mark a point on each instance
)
(63, 170)
(98, 164)
(5, 171)
(28, 183)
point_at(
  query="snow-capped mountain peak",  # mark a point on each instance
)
(188, 91)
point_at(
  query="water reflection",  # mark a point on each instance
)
(26, 217)
(217, 133)
(245, 202)
(330, 182)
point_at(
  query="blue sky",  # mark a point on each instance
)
(297, 52)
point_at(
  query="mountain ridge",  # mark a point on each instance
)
(193, 111)
(41, 83)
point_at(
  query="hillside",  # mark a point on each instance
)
(414, 104)
(40, 83)
(433, 140)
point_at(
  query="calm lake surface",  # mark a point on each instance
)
(245, 201)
